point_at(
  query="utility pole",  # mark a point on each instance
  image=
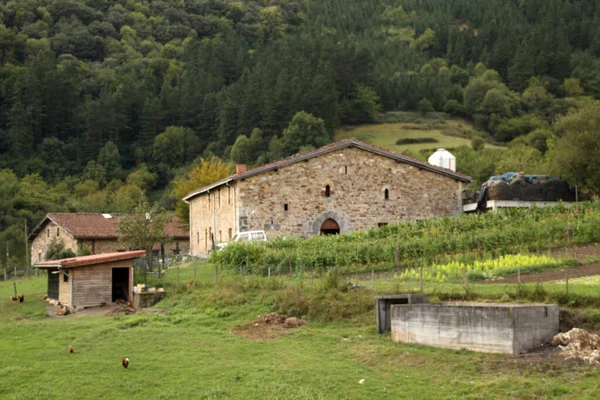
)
(26, 250)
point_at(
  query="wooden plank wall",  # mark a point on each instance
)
(93, 284)
(64, 288)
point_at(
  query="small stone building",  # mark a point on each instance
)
(345, 186)
(89, 281)
(95, 234)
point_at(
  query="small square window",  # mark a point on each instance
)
(285, 207)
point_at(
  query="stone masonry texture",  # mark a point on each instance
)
(292, 201)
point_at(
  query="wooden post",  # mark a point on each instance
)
(372, 280)
(269, 272)
(26, 251)
(519, 275)
(15, 286)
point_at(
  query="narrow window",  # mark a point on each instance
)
(228, 194)
(206, 239)
(48, 232)
(65, 277)
(39, 256)
(230, 233)
(197, 238)
(219, 198)
(220, 237)
(386, 194)
(57, 232)
(346, 170)
(285, 207)
(327, 191)
(209, 202)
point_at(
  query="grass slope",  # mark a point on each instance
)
(387, 134)
(191, 354)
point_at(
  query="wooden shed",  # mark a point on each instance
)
(89, 281)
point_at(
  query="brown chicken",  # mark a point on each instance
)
(125, 362)
(71, 349)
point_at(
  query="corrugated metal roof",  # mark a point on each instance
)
(327, 149)
(91, 260)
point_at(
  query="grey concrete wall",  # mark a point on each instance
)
(535, 326)
(383, 307)
(494, 328)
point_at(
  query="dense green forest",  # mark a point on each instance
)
(103, 102)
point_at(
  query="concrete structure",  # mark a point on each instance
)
(493, 328)
(495, 205)
(95, 234)
(345, 186)
(384, 303)
(91, 280)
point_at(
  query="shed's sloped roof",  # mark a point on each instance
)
(91, 260)
(96, 226)
(327, 149)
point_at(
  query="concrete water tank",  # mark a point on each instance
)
(443, 158)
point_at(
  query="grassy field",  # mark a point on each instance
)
(387, 134)
(191, 352)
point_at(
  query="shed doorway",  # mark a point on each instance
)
(53, 284)
(330, 227)
(120, 284)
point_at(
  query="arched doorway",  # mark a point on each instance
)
(330, 227)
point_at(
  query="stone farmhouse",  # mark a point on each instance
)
(344, 186)
(95, 234)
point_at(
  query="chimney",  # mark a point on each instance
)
(240, 168)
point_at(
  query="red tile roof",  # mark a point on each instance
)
(96, 226)
(91, 260)
(329, 148)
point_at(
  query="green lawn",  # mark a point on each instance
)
(190, 353)
(386, 135)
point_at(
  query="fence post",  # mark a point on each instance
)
(269, 272)
(519, 275)
(372, 280)
(421, 279)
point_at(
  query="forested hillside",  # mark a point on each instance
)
(104, 100)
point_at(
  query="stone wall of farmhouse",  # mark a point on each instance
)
(51, 232)
(292, 201)
(212, 215)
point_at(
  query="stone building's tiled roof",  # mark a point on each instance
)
(99, 226)
(91, 260)
(327, 149)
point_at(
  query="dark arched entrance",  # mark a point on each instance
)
(330, 227)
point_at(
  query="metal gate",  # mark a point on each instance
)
(53, 285)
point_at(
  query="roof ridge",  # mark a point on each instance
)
(324, 149)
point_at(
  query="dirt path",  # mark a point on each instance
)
(582, 253)
(547, 276)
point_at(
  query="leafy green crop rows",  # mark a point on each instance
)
(411, 244)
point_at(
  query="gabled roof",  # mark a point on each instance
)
(99, 226)
(90, 260)
(328, 149)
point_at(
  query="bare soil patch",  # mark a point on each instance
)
(549, 276)
(268, 326)
(582, 252)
